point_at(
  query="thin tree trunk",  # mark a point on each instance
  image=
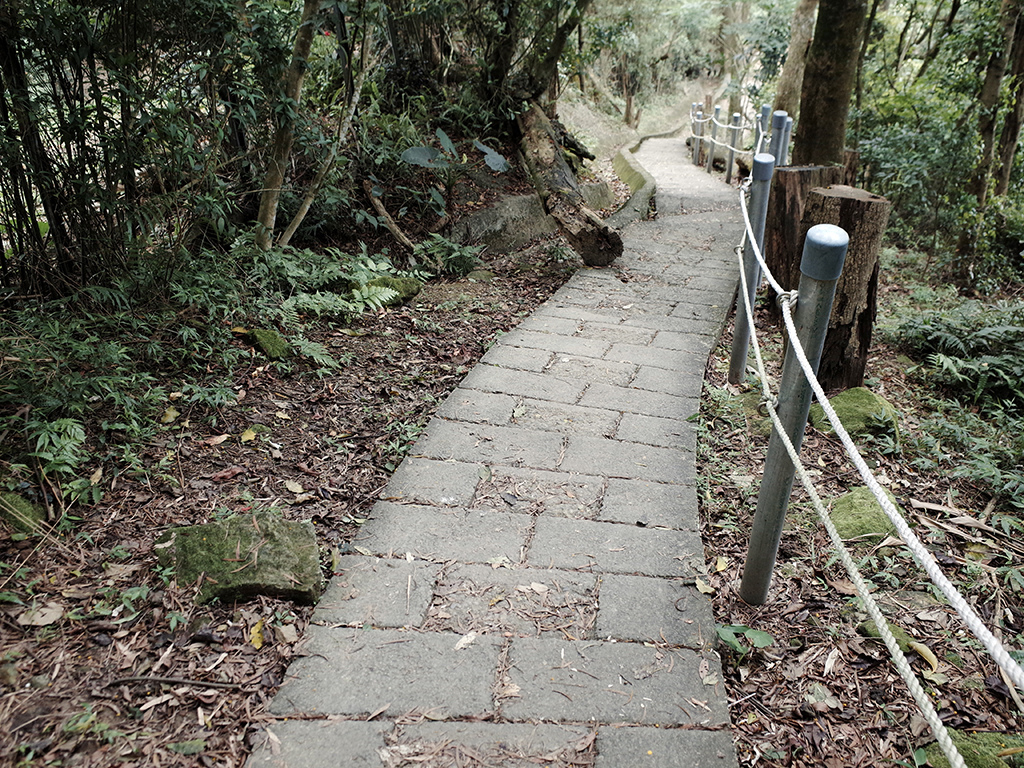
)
(544, 68)
(284, 136)
(1014, 116)
(932, 52)
(791, 78)
(828, 82)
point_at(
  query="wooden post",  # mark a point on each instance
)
(864, 216)
(783, 237)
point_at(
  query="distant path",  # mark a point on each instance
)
(525, 593)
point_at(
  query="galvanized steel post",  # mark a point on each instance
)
(764, 122)
(786, 136)
(778, 134)
(698, 129)
(712, 146)
(757, 207)
(820, 267)
(734, 141)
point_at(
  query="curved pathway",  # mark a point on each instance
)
(525, 594)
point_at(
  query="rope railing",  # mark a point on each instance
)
(787, 300)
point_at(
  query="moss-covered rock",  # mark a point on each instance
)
(870, 629)
(858, 409)
(405, 287)
(271, 343)
(480, 276)
(857, 514)
(981, 750)
(244, 556)
(21, 514)
(747, 405)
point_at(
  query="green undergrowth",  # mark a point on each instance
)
(88, 379)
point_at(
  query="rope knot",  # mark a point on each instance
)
(762, 407)
(787, 298)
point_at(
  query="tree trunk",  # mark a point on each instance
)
(933, 51)
(828, 82)
(542, 70)
(864, 217)
(1014, 115)
(284, 136)
(791, 78)
(556, 184)
(783, 239)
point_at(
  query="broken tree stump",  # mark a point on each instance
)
(864, 216)
(783, 238)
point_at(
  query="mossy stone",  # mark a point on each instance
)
(244, 556)
(857, 409)
(271, 343)
(21, 514)
(405, 287)
(480, 276)
(981, 750)
(747, 405)
(858, 513)
(870, 629)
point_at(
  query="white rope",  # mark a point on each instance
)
(924, 558)
(899, 659)
(921, 554)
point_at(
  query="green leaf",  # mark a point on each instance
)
(758, 639)
(495, 161)
(191, 747)
(447, 144)
(728, 636)
(425, 157)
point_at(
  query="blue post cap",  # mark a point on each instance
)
(824, 252)
(789, 122)
(764, 164)
(779, 119)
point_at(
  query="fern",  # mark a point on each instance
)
(373, 296)
(316, 352)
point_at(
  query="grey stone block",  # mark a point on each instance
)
(617, 333)
(673, 359)
(509, 745)
(591, 369)
(555, 307)
(613, 458)
(631, 400)
(551, 342)
(521, 358)
(697, 344)
(664, 748)
(477, 407)
(429, 533)
(379, 592)
(651, 430)
(523, 602)
(543, 323)
(430, 481)
(644, 609)
(614, 548)
(529, 491)
(570, 419)
(508, 381)
(610, 683)
(651, 504)
(489, 444)
(320, 744)
(357, 672)
(681, 382)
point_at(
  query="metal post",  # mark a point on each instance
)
(764, 122)
(787, 135)
(698, 130)
(778, 131)
(712, 146)
(820, 267)
(764, 164)
(734, 142)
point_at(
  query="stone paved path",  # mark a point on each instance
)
(525, 594)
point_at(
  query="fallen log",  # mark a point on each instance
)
(596, 242)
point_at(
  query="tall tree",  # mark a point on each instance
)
(828, 82)
(988, 98)
(284, 135)
(787, 92)
(1014, 115)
